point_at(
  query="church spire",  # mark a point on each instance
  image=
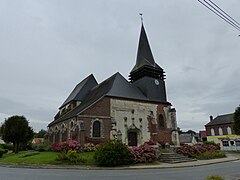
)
(145, 59)
(146, 74)
(144, 54)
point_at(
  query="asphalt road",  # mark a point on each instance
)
(229, 170)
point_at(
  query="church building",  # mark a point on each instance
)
(133, 111)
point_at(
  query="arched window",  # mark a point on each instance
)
(212, 132)
(229, 130)
(220, 131)
(161, 121)
(96, 129)
(71, 124)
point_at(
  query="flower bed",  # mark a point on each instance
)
(198, 149)
(144, 153)
(66, 146)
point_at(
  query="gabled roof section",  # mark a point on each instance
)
(114, 86)
(144, 53)
(221, 119)
(122, 88)
(80, 91)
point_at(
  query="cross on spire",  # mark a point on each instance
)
(141, 16)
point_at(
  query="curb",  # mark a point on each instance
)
(134, 167)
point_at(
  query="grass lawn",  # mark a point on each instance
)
(41, 158)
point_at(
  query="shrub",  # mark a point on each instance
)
(214, 178)
(66, 146)
(7, 146)
(42, 146)
(144, 153)
(113, 153)
(2, 151)
(212, 143)
(71, 156)
(193, 151)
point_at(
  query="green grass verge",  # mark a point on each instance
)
(40, 158)
(210, 155)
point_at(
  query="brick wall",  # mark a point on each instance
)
(101, 108)
(99, 111)
(164, 133)
(216, 131)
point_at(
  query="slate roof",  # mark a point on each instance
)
(144, 53)
(114, 86)
(80, 91)
(221, 119)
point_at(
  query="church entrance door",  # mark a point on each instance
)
(132, 138)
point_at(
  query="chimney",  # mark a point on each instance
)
(211, 118)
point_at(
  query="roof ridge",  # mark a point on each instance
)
(78, 88)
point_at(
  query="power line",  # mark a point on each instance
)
(224, 12)
(220, 13)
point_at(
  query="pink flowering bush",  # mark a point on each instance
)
(195, 150)
(69, 152)
(66, 146)
(144, 153)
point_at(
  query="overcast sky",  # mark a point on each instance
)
(48, 46)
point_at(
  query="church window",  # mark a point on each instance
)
(96, 129)
(82, 126)
(229, 130)
(71, 124)
(212, 132)
(161, 121)
(220, 131)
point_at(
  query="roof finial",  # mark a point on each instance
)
(141, 16)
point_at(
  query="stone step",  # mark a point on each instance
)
(174, 158)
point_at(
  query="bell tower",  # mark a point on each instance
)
(147, 75)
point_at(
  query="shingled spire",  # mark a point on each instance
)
(145, 63)
(147, 75)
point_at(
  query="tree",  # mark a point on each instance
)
(236, 118)
(40, 134)
(15, 130)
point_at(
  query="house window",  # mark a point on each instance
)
(237, 143)
(96, 129)
(161, 121)
(229, 130)
(220, 131)
(225, 143)
(212, 132)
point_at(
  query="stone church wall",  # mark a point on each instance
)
(143, 118)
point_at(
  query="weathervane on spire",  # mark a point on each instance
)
(141, 16)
